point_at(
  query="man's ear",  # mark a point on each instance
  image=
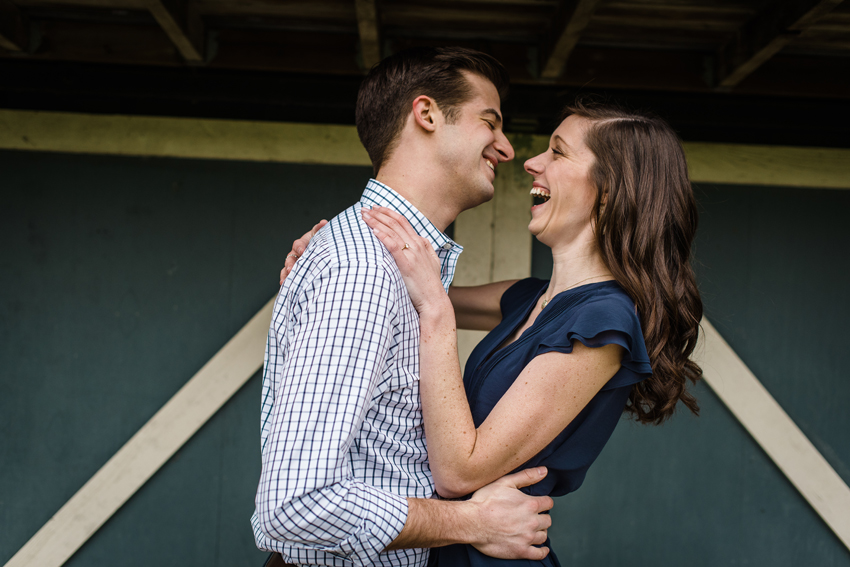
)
(424, 112)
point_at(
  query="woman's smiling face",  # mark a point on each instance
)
(562, 178)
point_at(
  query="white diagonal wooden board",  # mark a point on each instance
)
(242, 356)
(168, 430)
(775, 431)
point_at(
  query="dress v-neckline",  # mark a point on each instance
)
(527, 313)
(513, 330)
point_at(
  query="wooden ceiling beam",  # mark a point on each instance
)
(369, 30)
(183, 26)
(75, 4)
(772, 117)
(764, 36)
(14, 27)
(569, 23)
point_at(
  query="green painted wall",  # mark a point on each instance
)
(119, 279)
(772, 270)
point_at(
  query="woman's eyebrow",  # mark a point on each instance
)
(559, 141)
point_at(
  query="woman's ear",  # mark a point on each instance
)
(424, 112)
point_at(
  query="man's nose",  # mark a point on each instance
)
(504, 147)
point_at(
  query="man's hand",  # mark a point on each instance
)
(511, 521)
(298, 248)
(498, 520)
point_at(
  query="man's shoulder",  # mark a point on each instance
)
(344, 259)
(346, 239)
(346, 245)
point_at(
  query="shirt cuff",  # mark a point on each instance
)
(371, 521)
(382, 519)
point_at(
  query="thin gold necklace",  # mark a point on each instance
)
(546, 301)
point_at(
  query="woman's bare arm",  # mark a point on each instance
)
(478, 307)
(548, 394)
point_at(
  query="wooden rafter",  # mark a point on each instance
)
(367, 26)
(14, 28)
(182, 25)
(569, 23)
(764, 36)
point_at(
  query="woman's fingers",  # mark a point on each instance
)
(414, 256)
(389, 233)
(399, 237)
(400, 234)
(298, 248)
(400, 225)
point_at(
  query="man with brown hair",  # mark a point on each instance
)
(345, 477)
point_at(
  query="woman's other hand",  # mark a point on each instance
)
(298, 248)
(414, 256)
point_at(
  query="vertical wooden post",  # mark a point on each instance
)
(495, 237)
(14, 27)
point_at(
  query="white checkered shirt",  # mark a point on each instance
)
(343, 444)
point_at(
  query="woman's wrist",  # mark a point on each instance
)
(438, 312)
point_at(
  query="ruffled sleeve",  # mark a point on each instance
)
(608, 319)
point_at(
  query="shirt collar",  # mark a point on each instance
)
(377, 194)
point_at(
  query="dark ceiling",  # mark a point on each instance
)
(728, 70)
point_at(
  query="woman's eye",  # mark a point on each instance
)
(557, 152)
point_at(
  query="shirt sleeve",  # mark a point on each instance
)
(339, 336)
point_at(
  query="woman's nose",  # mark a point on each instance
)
(533, 165)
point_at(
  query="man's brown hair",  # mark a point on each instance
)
(391, 86)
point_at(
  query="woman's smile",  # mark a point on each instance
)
(562, 191)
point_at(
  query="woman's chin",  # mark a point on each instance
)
(537, 233)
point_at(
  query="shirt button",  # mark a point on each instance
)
(447, 246)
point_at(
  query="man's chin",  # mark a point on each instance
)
(486, 194)
(479, 200)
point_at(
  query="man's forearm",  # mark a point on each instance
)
(499, 520)
(435, 523)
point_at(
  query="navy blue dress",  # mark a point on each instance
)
(596, 315)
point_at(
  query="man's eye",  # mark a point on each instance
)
(490, 124)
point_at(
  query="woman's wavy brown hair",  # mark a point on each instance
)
(646, 217)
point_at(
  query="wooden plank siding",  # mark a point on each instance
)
(493, 231)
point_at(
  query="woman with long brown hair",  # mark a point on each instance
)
(612, 331)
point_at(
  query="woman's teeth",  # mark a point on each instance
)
(540, 193)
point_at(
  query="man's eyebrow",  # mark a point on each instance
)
(495, 114)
